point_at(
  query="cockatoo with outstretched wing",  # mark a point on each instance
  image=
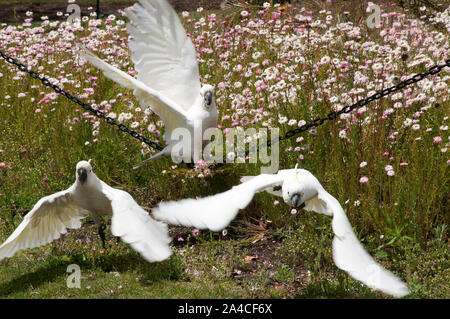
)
(54, 214)
(299, 188)
(168, 77)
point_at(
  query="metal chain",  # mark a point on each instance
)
(349, 108)
(376, 96)
(121, 127)
(291, 133)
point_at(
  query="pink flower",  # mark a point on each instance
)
(437, 139)
(3, 165)
(363, 180)
(201, 163)
(403, 164)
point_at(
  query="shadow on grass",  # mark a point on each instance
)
(55, 269)
(338, 289)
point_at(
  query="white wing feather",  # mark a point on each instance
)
(169, 111)
(50, 217)
(134, 226)
(213, 212)
(348, 253)
(164, 56)
(269, 189)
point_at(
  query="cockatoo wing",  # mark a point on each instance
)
(274, 189)
(348, 253)
(50, 217)
(134, 226)
(213, 212)
(172, 114)
(164, 56)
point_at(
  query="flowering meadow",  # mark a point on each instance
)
(272, 67)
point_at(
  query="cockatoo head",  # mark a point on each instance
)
(207, 95)
(299, 187)
(83, 171)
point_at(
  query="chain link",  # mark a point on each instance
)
(291, 133)
(121, 127)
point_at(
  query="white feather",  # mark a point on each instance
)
(53, 215)
(170, 112)
(50, 217)
(162, 51)
(135, 227)
(350, 256)
(168, 77)
(216, 212)
(213, 212)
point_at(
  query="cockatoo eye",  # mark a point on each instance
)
(208, 98)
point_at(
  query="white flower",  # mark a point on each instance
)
(325, 59)
(134, 124)
(151, 127)
(231, 156)
(407, 122)
(282, 119)
(377, 67)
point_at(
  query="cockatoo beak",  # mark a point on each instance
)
(82, 175)
(295, 199)
(208, 98)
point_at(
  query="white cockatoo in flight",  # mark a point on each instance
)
(52, 215)
(299, 188)
(168, 77)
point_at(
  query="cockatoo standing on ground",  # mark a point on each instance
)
(168, 76)
(54, 214)
(299, 188)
